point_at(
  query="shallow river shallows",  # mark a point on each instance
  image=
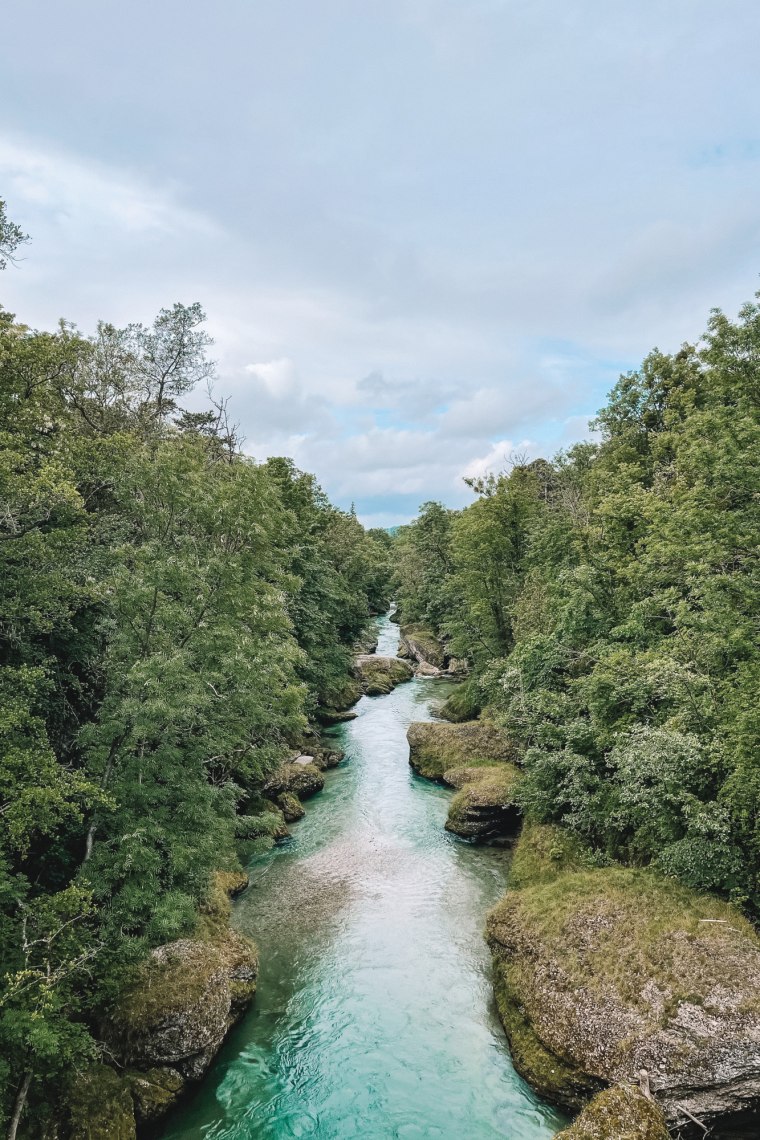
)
(374, 1015)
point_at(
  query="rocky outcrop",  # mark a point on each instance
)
(435, 748)
(170, 1022)
(484, 807)
(422, 646)
(326, 758)
(603, 974)
(367, 643)
(299, 777)
(290, 806)
(379, 675)
(619, 1113)
(338, 701)
(187, 996)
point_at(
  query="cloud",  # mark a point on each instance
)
(78, 196)
(499, 458)
(421, 230)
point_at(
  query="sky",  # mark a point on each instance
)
(428, 234)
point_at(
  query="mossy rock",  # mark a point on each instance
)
(435, 748)
(485, 807)
(458, 777)
(618, 1113)
(266, 824)
(328, 716)
(291, 807)
(422, 645)
(215, 911)
(380, 675)
(462, 705)
(616, 970)
(297, 779)
(367, 641)
(555, 1080)
(327, 758)
(154, 1092)
(187, 994)
(101, 1107)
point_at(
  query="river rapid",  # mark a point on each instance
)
(374, 1015)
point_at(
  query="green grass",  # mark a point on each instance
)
(646, 928)
(436, 747)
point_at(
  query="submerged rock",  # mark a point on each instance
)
(379, 675)
(602, 973)
(618, 1113)
(436, 747)
(485, 807)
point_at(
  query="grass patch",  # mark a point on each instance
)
(543, 852)
(436, 747)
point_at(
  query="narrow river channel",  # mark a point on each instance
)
(374, 1016)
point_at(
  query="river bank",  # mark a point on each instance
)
(374, 1014)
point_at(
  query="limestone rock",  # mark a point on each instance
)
(379, 675)
(436, 747)
(327, 758)
(291, 807)
(485, 808)
(154, 1092)
(423, 646)
(301, 779)
(186, 997)
(604, 972)
(618, 1113)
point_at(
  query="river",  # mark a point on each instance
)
(374, 1016)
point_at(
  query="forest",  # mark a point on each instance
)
(172, 615)
(607, 603)
(178, 619)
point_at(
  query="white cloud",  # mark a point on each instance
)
(499, 457)
(279, 377)
(76, 196)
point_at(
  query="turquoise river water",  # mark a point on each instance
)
(374, 1016)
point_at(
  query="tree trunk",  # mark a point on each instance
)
(18, 1106)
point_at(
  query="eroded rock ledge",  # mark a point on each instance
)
(604, 972)
(484, 807)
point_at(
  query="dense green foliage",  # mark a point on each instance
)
(171, 613)
(608, 604)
